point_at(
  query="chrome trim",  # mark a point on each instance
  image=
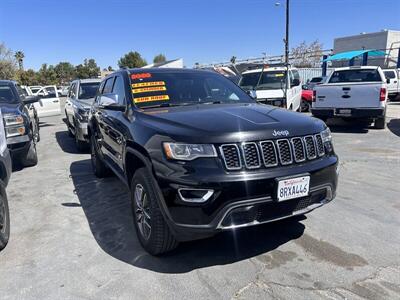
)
(244, 155)
(315, 147)
(294, 149)
(279, 152)
(224, 159)
(275, 154)
(17, 139)
(313, 206)
(316, 144)
(206, 196)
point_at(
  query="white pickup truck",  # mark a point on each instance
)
(393, 85)
(353, 93)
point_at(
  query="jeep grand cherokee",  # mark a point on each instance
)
(200, 156)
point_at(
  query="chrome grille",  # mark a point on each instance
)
(268, 153)
(231, 156)
(299, 153)
(310, 147)
(251, 156)
(320, 145)
(284, 152)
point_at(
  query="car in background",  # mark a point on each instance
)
(393, 83)
(49, 104)
(316, 81)
(5, 173)
(306, 98)
(79, 100)
(269, 85)
(35, 88)
(353, 93)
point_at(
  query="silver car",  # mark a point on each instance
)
(79, 99)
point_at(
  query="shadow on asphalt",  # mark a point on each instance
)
(394, 126)
(343, 126)
(67, 143)
(106, 205)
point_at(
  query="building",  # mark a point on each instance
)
(385, 40)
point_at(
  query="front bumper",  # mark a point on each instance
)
(348, 112)
(244, 199)
(81, 130)
(279, 102)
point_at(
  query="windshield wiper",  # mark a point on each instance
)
(210, 102)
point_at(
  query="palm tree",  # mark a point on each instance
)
(19, 56)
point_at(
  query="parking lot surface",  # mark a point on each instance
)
(72, 235)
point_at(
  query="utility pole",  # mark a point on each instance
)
(287, 34)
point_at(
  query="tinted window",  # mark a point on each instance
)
(119, 89)
(6, 94)
(361, 75)
(184, 88)
(108, 85)
(316, 79)
(88, 90)
(390, 74)
(270, 80)
(296, 74)
(22, 93)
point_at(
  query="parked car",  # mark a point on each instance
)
(5, 173)
(306, 98)
(393, 84)
(200, 156)
(269, 85)
(80, 98)
(49, 104)
(20, 121)
(353, 93)
(316, 81)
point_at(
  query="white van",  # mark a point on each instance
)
(269, 84)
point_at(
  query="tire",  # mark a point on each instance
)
(68, 125)
(37, 137)
(4, 220)
(304, 106)
(30, 159)
(98, 166)
(380, 123)
(155, 237)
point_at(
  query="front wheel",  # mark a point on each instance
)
(30, 159)
(4, 220)
(152, 230)
(99, 167)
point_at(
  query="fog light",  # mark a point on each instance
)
(195, 195)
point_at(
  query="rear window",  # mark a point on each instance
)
(316, 79)
(6, 94)
(389, 74)
(361, 75)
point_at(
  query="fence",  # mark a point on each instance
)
(308, 73)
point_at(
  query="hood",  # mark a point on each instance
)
(228, 123)
(11, 108)
(265, 94)
(85, 103)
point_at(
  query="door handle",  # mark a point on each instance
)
(55, 101)
(395, 81)
(346, 96)
(346, 89)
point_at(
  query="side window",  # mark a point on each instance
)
(71, 93)
(290, 78)
(296, 74)
(108, 85)
(51, 92)
(119, 89)
(22, 93)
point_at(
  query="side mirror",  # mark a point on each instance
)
(252, 94)
(295, 82)
(110, 101)
(30, 99)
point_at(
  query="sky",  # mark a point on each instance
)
(204, 31)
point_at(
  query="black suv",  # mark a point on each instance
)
(20, 121)
(201, 156)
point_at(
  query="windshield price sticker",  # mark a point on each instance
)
(141, 76)
(151, 99)
(145, 84)
(149, 89)
(279, 75)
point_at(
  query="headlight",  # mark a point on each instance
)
(327, 139)
(15, 131)
(13, 120)
(188, 151)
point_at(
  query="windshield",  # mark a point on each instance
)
(184, 88)
(6, 94)
(270, 80)
(360, 75)
(88, 90)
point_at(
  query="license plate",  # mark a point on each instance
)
(343, 112)
(291, 188)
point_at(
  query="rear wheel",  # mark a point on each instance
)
(99, 167)
(380, 123)
(152, 230)
(304, 106)
(4, 220)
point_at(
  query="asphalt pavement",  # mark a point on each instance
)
(72, 235)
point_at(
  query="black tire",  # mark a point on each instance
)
(30, 159)
(160, 239)
(4, 220)
(304, 106)
(380, 123)
(70, 133)
(98, 166)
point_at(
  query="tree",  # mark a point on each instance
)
(307, 55)
(8, 64)
(28, 77)
(65, 72)
(110, 69)
(160, 58)
(88, 69)
(19, 56)
(47, 75)
(132, 60)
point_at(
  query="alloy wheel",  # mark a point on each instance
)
(142, 211)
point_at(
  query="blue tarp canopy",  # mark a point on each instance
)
(351, 54)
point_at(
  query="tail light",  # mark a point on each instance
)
(382, 95)
(314, 95)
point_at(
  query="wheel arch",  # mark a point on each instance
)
(135, 157)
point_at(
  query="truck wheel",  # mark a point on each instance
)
(99, 167)
(380, 123)
(304, 106)
(4, 220)
(30, 158)
(152, 230)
